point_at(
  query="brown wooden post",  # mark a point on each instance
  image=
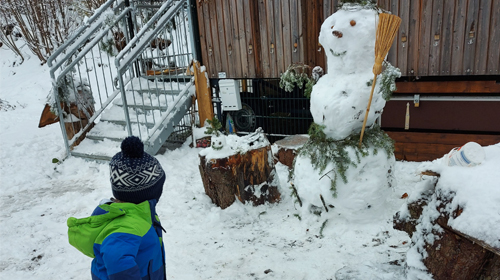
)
(203, 94)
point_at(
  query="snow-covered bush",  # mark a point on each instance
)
(43, 24)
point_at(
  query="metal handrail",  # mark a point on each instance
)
(79, 31)
(140, 46)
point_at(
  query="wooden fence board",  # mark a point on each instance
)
(294, 30)
(286, 30)
(413, 38)
(436, 34)
(221, 34)
(457, 54)
(265, 45)
(273, 61)
(300, 18)
(494, 48)
(250, 44)
(393, 52)
(232, 59)
(279, 37)
(215, 41)
(469, 49)
(242, 38)
(403, 40)
(203, 34)
(447, 37)
(210, 46)
(320, 51)
(425, 38)
(254, 15)
(483, 30)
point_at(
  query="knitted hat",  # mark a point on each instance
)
(135, 175)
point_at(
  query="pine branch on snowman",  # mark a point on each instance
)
(338, 105)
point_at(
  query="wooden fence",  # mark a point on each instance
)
(261, 38)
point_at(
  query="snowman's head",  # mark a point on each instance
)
(348, 37)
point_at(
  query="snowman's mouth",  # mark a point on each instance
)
(338, 53)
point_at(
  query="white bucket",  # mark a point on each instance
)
(470, 154)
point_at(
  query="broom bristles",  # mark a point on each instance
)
(387, 29)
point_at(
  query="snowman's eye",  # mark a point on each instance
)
(353, 22)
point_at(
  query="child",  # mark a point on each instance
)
(123, 235)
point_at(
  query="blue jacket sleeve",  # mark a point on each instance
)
(119, 252)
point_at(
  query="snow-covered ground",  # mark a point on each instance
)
(202, 241)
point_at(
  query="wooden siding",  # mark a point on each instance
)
(422, 146)
(261, 38)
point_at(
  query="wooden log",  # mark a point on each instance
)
(203, 94)
(250, 177)
(287, 149)
(453, 255)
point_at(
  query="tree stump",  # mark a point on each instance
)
(249, 177)
(453, 255)
(287, 149)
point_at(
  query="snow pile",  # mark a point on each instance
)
(476, 190)
(473, 191)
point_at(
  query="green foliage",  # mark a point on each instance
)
(108, 46)
(296, 76)
(55, 160)
(388, 80)
(309, 88)
(214, 128)
(323, 151)
(298, 216)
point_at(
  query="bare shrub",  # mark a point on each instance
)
(44, 24)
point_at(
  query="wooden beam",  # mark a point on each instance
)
(448, 87)
(203, 94)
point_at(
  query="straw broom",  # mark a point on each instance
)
(386, 31)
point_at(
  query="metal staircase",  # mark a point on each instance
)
(146, 92)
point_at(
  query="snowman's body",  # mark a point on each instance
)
(338, 102)
(340, 98)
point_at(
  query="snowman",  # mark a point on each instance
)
(340, 97)
(338, 104)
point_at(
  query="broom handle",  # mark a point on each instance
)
(367, 110)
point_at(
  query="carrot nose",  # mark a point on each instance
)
(337, 34)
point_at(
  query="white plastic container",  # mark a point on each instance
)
(470, 154)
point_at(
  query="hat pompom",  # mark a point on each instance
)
(132, 147)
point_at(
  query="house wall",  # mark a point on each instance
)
(261, 38)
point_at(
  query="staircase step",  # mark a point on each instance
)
(143, 84)
(150, 100)
(116, 131)
(97, 149)
(116, 115)
(169, 78)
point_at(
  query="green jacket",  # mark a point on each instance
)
(125, 240)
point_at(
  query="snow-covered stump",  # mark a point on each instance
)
(242, 169)
(287, 148)
(446, 253)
